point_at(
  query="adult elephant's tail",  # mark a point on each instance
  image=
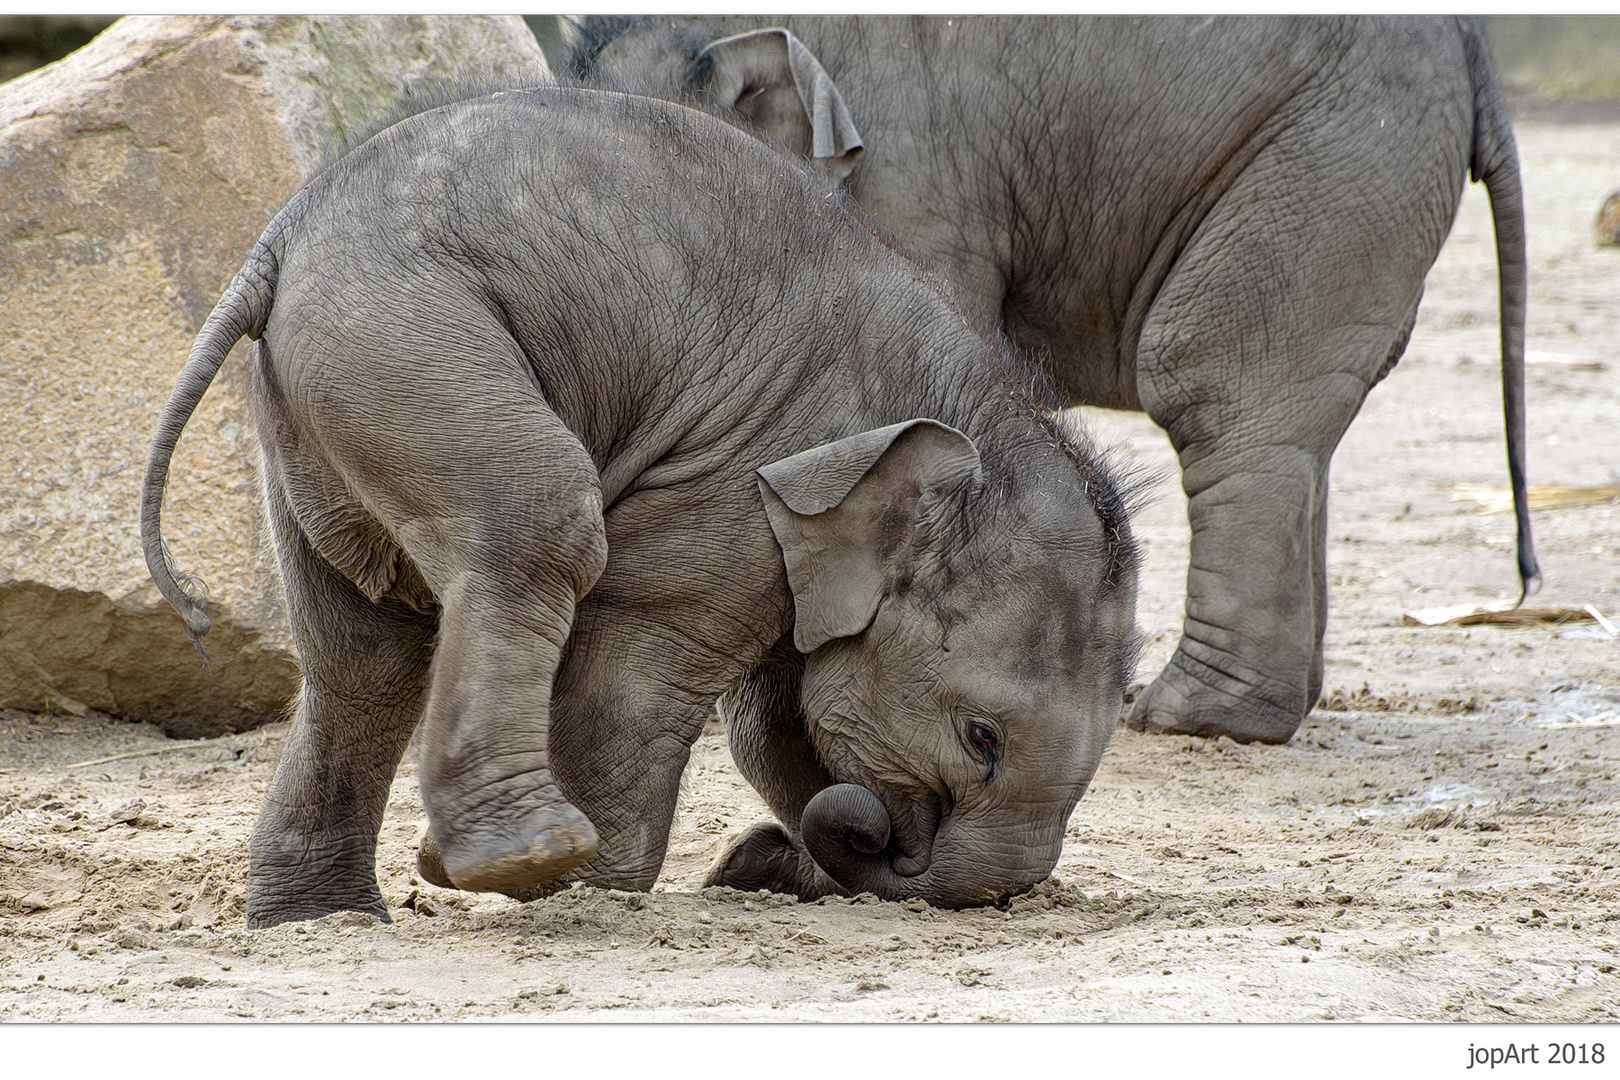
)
(243, 310)
(1496, 161)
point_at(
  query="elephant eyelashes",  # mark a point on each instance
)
(985, 744)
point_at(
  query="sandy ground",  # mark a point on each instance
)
(1440, 845)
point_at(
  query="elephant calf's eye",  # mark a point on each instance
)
(983, 739)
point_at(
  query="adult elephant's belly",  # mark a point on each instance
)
(1081, 348)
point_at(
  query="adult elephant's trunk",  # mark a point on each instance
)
(846, 831)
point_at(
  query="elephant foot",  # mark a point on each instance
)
(289, 882)
(765, 857)
(430, 868)
(263, 915)
(430, 864)
(1177, 704)
(552, 842)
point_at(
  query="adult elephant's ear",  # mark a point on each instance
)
(776, 84)
(845, 515)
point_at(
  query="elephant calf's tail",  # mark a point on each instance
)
(1496, 161)
(242, 311)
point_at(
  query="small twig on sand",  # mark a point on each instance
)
(196, 744)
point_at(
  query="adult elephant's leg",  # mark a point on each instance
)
(365, 669)
(1319, 594)
(1256, 355)
(1248, 653)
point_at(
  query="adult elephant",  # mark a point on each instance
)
(1222, 222)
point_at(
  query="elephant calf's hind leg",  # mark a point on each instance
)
(365, 666)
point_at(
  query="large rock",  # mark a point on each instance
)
(135, 175)
(1607, 226)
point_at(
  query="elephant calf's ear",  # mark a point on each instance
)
(771, 80)
(844, 515)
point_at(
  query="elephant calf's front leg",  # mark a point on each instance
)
(766, 728)
(766, 857)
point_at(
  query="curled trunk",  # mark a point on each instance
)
(846, 830)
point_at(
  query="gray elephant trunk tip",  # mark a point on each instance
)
(846, 829)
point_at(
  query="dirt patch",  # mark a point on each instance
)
(1382, 865)
(1436, 843)
(1364, 700)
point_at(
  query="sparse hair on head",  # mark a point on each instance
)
(1115, 487)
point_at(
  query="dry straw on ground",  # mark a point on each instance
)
(1493, 499)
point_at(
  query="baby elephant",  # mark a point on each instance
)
(580, 410)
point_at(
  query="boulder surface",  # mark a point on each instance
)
(135, 175)
(1607, 226)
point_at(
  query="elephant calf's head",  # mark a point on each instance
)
(967, 642)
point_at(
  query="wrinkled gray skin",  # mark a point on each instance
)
(580, 410)
(1223, 222)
